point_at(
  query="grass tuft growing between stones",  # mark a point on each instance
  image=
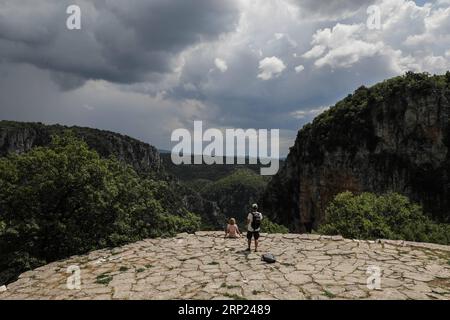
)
(329, 294)
(123, 269)
(224, 285)
(234, 296)
(140, 270)
(287, 264)
(104, 279)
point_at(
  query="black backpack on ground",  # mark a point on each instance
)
(268, 257)
(256, 221)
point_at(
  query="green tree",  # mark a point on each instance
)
(389, 216)
(236, 192)
(272, 227)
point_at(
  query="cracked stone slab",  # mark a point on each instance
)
(204, 265)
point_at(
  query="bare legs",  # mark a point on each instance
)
(250, 244)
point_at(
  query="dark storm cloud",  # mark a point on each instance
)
(330, 9)
(120, 41)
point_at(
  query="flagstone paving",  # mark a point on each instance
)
(207, 266)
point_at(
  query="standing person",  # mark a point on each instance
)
(253, 226)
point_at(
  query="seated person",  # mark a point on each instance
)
(232, 230)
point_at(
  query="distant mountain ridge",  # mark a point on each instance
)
(19, 137)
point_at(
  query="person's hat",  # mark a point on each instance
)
(254, 206)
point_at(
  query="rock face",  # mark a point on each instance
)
(394, 136)
(207, 266)
(19, 137)
(212, 215)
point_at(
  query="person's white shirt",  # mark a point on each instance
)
(250, 219)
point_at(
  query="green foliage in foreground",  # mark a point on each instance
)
(272, 227)
(389, 216)
(64, 199)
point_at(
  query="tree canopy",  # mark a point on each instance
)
(388, 216)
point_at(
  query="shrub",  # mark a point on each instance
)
(389, 216)
(272, 227)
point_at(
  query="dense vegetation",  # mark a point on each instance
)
(231, 188)
(206, 172)
(234, 193)
(272, 227)
(64, 199)
(389, 216)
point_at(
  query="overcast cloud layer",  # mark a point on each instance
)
(146, 67)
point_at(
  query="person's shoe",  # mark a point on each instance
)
(248, 249)
(256, 250)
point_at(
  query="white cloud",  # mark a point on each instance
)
(308, 114)
(410, 39)
(315, 52)
(341, 46)
(270, 67)
(221, 64)
(299, 68)
(280, 36)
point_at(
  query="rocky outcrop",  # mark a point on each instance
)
(19, 137)
(394, 136)
(204, 265)
(212, 215)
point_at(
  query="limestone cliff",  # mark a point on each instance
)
(394, 136)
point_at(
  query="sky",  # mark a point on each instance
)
(146, 67)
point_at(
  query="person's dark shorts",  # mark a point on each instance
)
(254, 234)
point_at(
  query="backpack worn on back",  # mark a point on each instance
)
(256, 221)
